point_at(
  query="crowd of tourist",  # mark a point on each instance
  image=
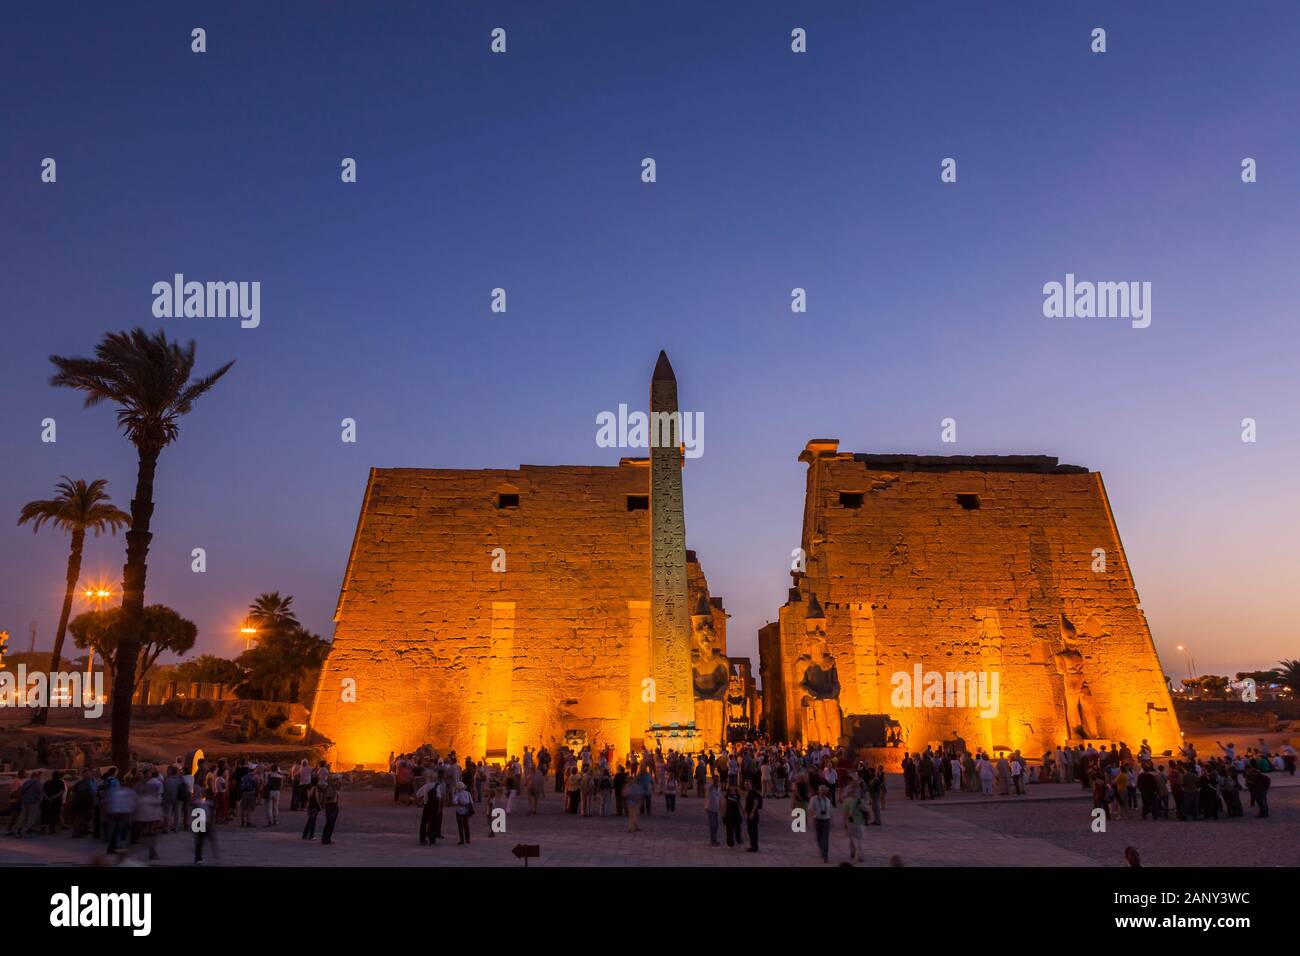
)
(821, 783)
(826, 788)
(132, 809)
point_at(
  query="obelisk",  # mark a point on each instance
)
(672, 711)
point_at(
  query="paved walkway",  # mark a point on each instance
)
(374, 832)
(1047, 827)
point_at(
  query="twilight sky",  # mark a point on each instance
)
(775, 170)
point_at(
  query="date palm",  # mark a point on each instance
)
(271, 613)
(76, 508)
(1289, 674)
(149, 379)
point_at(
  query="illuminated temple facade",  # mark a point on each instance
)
(485, 610)
(914, 566)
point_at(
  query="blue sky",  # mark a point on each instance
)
(775, 170)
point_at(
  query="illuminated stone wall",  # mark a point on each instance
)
(1010, 583)
(447, 651)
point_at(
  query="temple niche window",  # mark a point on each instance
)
(638, 502)
(851, 499)
(507, 501)
(969, 502)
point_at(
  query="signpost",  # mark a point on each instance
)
(525, 850)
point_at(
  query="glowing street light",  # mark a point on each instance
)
(1191, 666)
(249, 633)
(96, 594)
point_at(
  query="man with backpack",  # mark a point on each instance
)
(328, 792)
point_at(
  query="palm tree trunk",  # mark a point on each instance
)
(132, 624)
(74, 572)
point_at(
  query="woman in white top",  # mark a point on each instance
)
(464, 807)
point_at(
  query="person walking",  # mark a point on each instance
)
(431, 815)
(731, 815)
(820, 809)
(855, 822)
(202, 819)
(312, 802)
(271, 793)
(1258, 785)
(713, 810)
(464, 807)
(753, 807)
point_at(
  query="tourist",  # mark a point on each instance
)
(402, 782)
(201, 820)
(1100, 798)
(590, 790)
(148, 816)
(328, 792)
(604, 786)
(300, 784)
(713, 810)
(31, 796)
(731, 815)
(16, 804)
(431, 816)
(120, 807)
(620, 787)
(670, 793)
(536, 789)
(313, 805)
(1258, 785)
(1149, 789)
(82, 803)
(247, 784)
(271, 787)
(52, 795)
(464, 808)
(173, 806)
(573, 789)
(985, 770)
(632, 802)
(645, 786)
(1231, 791)
(820, 811)
(855, 822)
(220, 790)
(753, 807)
(1208, 798)
(493, 795)
(1017, 775)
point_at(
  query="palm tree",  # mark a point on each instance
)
(271, 613)
(148, 378)
(77, 508)
(1289, 674)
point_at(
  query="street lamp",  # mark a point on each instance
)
(95, 594)
(249, 633)
(1191, 666)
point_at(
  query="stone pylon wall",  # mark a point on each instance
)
(911, 577)
(442, 649)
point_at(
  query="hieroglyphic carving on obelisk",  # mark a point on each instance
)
(672, 713)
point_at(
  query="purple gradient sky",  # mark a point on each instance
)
(775, 171)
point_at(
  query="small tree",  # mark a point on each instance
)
(164, 631)
(79, 507)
